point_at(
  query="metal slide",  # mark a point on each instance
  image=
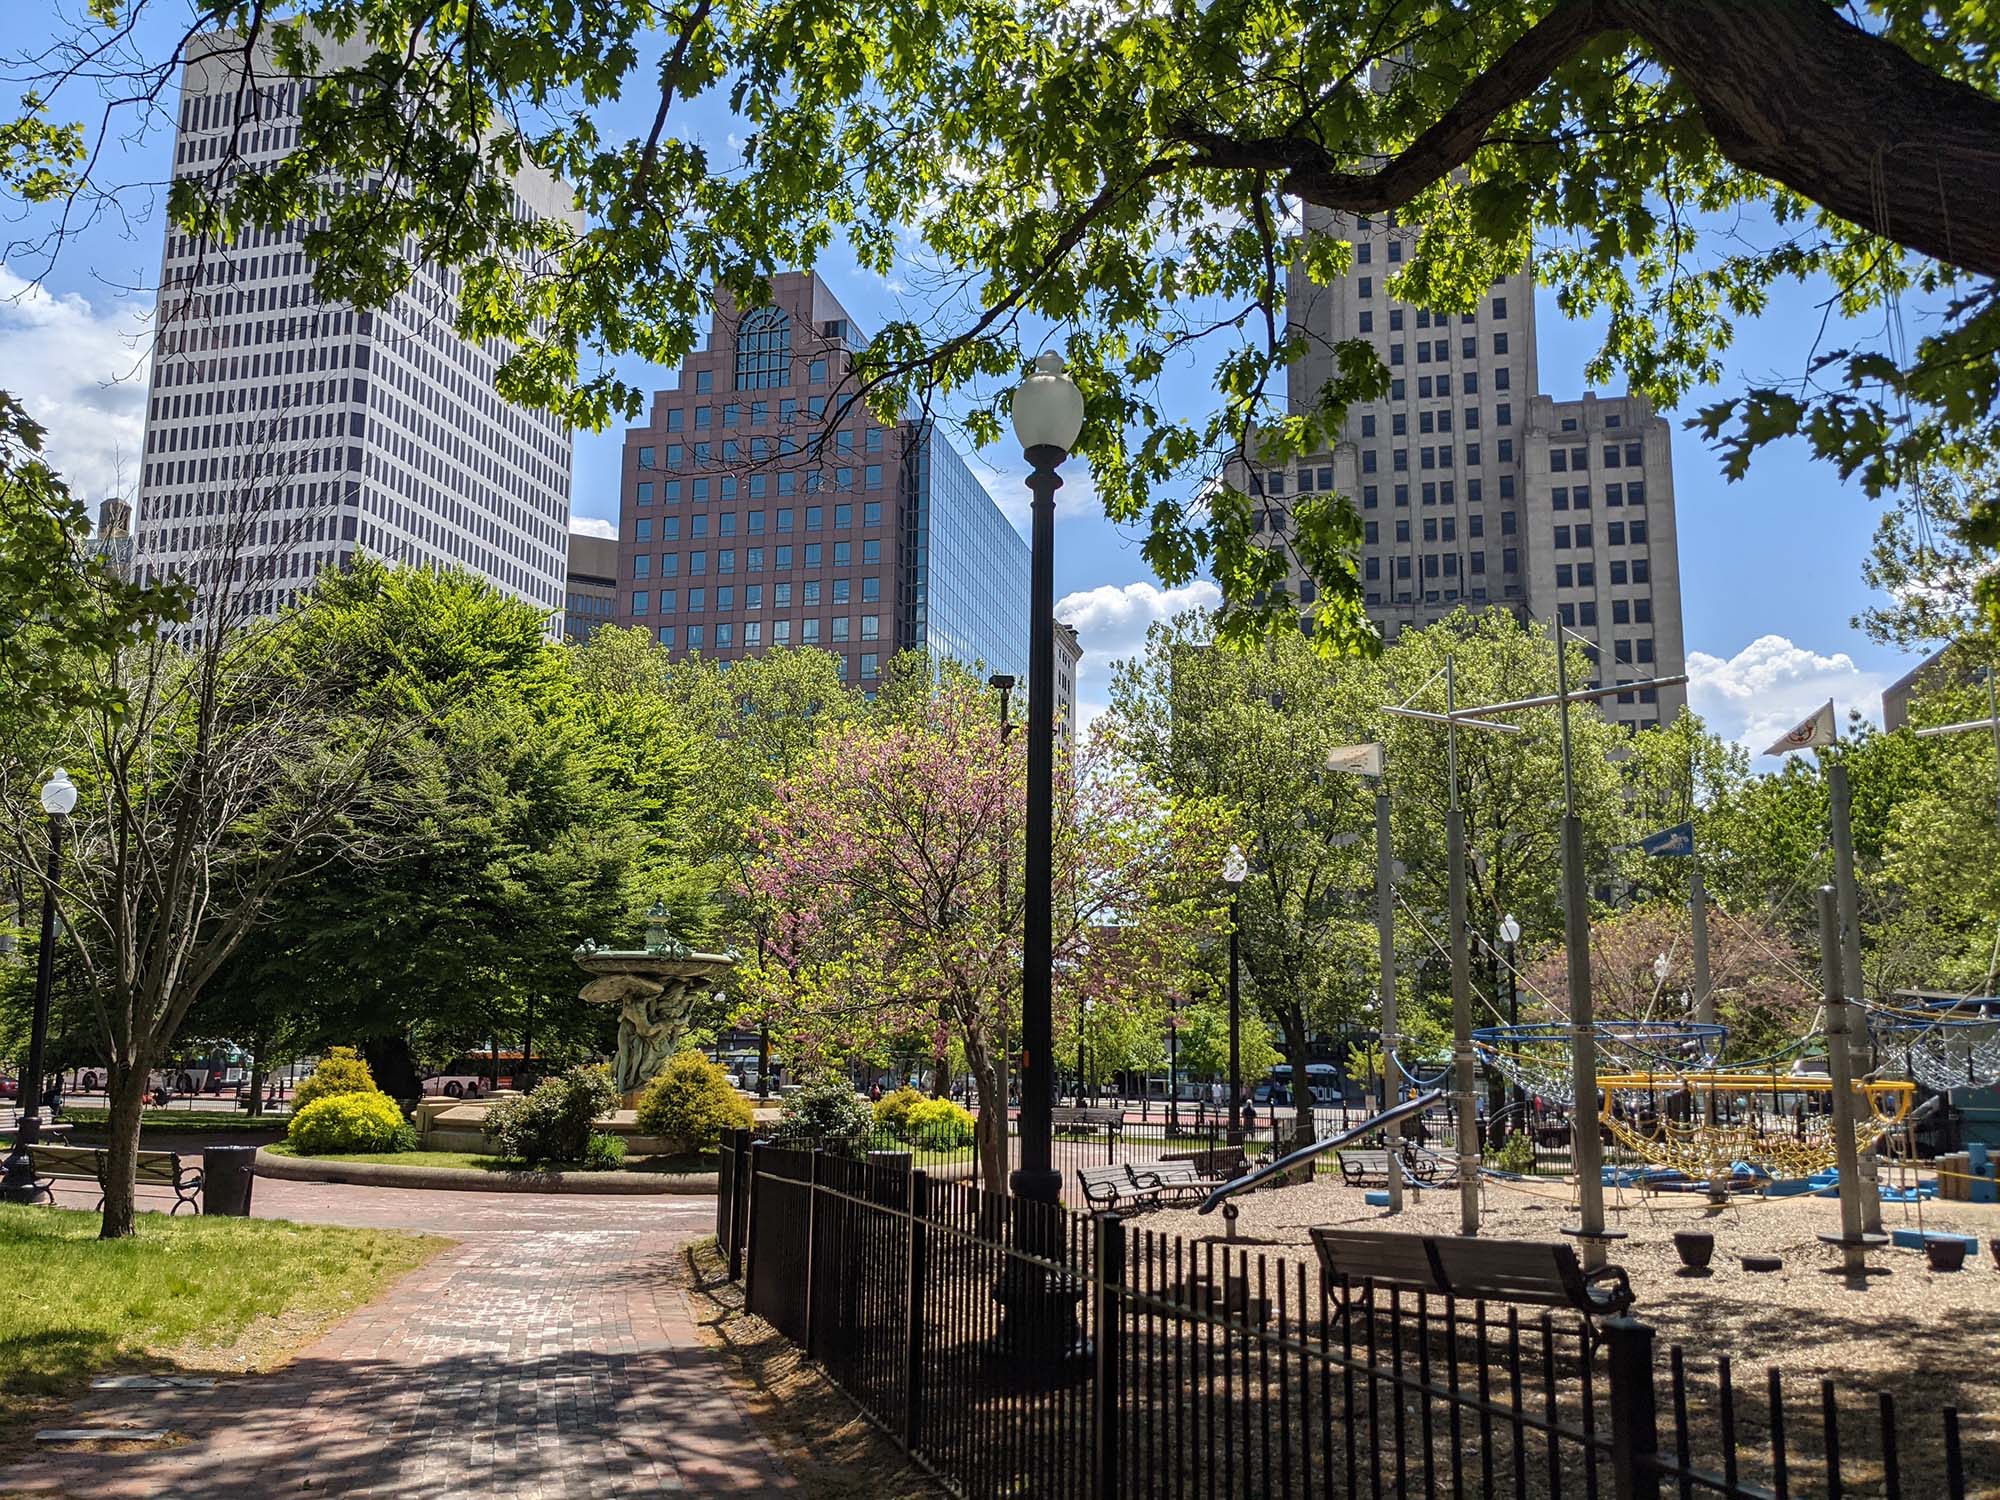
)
(1388, 1116)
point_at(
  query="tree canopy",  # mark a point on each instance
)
(1132, 183)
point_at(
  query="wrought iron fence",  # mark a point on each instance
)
(1020, 1349)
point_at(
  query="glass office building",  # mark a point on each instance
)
(965, 567)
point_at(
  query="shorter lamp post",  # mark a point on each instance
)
(1235, 870)
(17, 1183)
(1173, 1074)
(1082, 1026)
(1510, 934)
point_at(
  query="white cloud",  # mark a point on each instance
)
(1007, 482)
(593, 526)
(1111, 624)
(80, 369)
(1770, 685)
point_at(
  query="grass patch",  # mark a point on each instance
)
(180, 1294)
(469, 1161)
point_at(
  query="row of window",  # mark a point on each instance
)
(1436, 351)
(1433, 596)
(1563, 497)
(1444, 492)
(1616, 533)
(751, 636)
(670, 601)
(1445, 530)
(731, 414)
(811, 594)
(1441, 564)
(812, 555)
(1583, 575)
(668, 528)
(696, 639)
(727, 486)
(1628, 455)
(1623, 612)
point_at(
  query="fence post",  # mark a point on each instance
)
(812, 1257)
(1109, 1351)
(725, 1197)
(750, 1224)
(739, 1205)
(1635, 1432)
(916, 1273)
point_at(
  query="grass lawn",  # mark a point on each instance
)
(182, 1294)
(180, 1121)
(468, 1161)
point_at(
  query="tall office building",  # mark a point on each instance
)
(284, 433)
(590, 597)
(1474, 488)
(765, 506)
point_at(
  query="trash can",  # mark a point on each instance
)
(227, 1175)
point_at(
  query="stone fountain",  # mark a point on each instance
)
(655, 989)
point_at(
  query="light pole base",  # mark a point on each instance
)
(18, 1183)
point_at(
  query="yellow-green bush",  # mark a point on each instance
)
(341, 1071)
(938, 1123)
(892, 1111)
(350, 1122)
(692, 1103)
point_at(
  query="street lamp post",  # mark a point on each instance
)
(1235, 870)
(1173, 1074)
(17, 1184)
(1048, 417)
(1510, 934)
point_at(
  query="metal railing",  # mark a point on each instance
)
(1020, 1349)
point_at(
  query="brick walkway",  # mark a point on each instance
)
(551, 1353)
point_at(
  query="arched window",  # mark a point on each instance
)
(764, 349)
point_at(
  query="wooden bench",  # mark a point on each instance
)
(1086, 1121)
(1362, 1166)
(1470, 1270)
(1109, 1186)
(1178, 1178)
(161, 1169)
(1219, 1162)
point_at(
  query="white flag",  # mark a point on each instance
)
(1356, 760)
(1813, 734)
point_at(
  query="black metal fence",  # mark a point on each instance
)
(1018, 1349)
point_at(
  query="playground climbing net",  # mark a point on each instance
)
(1710, 1122)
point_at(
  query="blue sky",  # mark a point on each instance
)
(1770, 566)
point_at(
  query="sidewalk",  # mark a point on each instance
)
(557, 1359)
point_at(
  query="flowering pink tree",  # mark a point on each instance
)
(892, 861)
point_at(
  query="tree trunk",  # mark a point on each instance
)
(764, 1061)
(127, 1090)
(394, 1069)
(1304, 1129)
(990, 1130)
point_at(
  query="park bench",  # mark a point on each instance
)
(153, 1169)
(1109, 1186)
(1086, 1121)
(1179, 1177)
(1360, 1167)
(1219, 1162)
(1470, 1270)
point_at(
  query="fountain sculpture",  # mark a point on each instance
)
(654, 988)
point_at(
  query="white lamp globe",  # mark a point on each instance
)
(1048, 408)
(58, 794)
(1235, 868)
(1510, 930)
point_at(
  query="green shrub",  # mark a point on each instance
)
(1516, 1154)
(351, 1122)
(938, 1123)
(603, 1153)
(826, 1110)
(341, 1071)
(553, 1122)
(892, 1111)
(691, 1104)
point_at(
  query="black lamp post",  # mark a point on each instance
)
(1048, 416)
(1173, 1074)
(1235, 870)
(1510, 934)
(17, 1185)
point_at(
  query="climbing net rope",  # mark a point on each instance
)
(1537, 1058)
(1761, 1119)
(1944, 1044)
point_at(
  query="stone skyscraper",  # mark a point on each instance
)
(284, 434)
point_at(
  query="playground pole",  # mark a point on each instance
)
(1461, 978)
(1586, 1149)
(1840, 1069)
(1704, 996)
(1840, 805)
(1385, 936)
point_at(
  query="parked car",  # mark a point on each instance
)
(9, 1089)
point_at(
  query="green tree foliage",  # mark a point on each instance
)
(1252, 728)
(1131, 177)
(533, 814)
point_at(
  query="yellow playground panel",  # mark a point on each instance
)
(1786, 1144)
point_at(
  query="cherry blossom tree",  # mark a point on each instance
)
(891, 862)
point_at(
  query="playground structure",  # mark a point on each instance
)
(1730, 1120)
(1944, 1043)
(1536, 1058)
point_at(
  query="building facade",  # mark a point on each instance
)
(590, 593)
(763, 505)
(1475, 489)
(284, 434)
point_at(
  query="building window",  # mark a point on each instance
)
(816, 370)
(763, 350)
(871, 664)
(642, 602)
(1366, 322)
